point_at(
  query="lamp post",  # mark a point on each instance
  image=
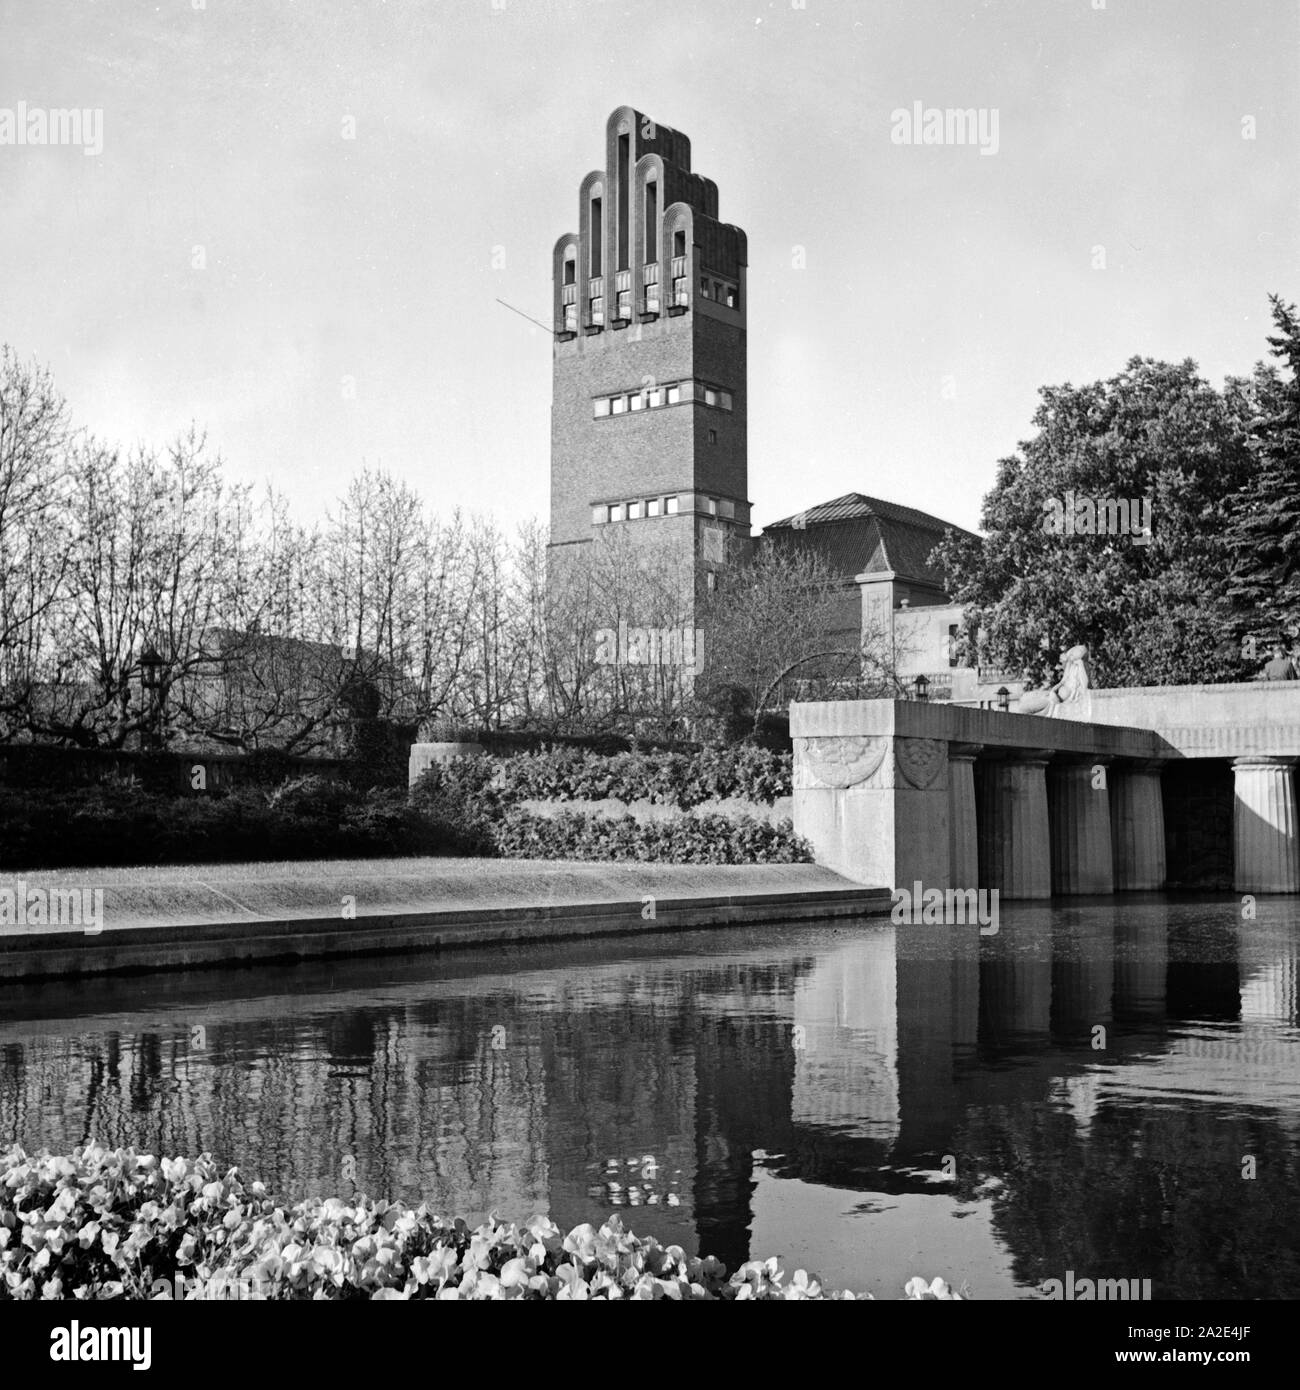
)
(151, 665)
(922, 685)
(1004, 699)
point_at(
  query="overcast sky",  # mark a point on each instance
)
(942, 286)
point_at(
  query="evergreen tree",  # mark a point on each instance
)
(1263, 536)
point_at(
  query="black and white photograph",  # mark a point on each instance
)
(649, 650)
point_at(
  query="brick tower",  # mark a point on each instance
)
(649, 396)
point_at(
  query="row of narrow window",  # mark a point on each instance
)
(598, 234)
(643, 507)
(651, 396)
(719, 291)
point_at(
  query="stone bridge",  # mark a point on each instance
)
(895, 792)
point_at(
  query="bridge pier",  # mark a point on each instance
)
(1014, 844)
(963, 841)
(1079, 802)
(1137, 822)
(1266, 854)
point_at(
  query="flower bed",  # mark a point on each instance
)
(110, 1223)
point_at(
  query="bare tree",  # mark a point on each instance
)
(34, 437)
(160, 554)
(598, 594)
(781, 624)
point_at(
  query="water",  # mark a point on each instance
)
(866, 1101)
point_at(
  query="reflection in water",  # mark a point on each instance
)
(1085, 1090)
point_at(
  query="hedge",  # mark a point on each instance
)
(683, 840)
(469, 806)
(106, 1223)
(311, 817)
(481, 795)
(488, 784)
(670, 779)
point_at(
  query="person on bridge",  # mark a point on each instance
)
(1280, 668)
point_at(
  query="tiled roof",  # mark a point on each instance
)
(855, 534)
(854, 505)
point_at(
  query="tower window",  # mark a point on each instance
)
(616, 512)
(570, 271)
(624, 176)
(727, 509)
(670, 506)
(652, 221)
(713, 436)
(597, 233)
(654, 507)
(634, 511)
(679, 243)
(598, 309)
(652, 397)
(733, 297)
(599, 515)
(711, 506)
(704, 286)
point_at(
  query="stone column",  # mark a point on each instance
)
(1266, 858)
(1079, 798)
(1014, 848)
(1137, 826)
(963, 843)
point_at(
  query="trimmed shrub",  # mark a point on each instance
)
(459, 796)
(667, 778)
(466, 806)
(682, 840)
(110, 1223)
(311, 798)
(305, 818)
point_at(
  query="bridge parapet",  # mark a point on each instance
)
(1202, 721)
(899, 792)
(883, 790)
(966, 724)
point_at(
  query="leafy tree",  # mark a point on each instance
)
(1263, 536)
(1150, 608)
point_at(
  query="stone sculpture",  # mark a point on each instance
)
(1069, 690)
